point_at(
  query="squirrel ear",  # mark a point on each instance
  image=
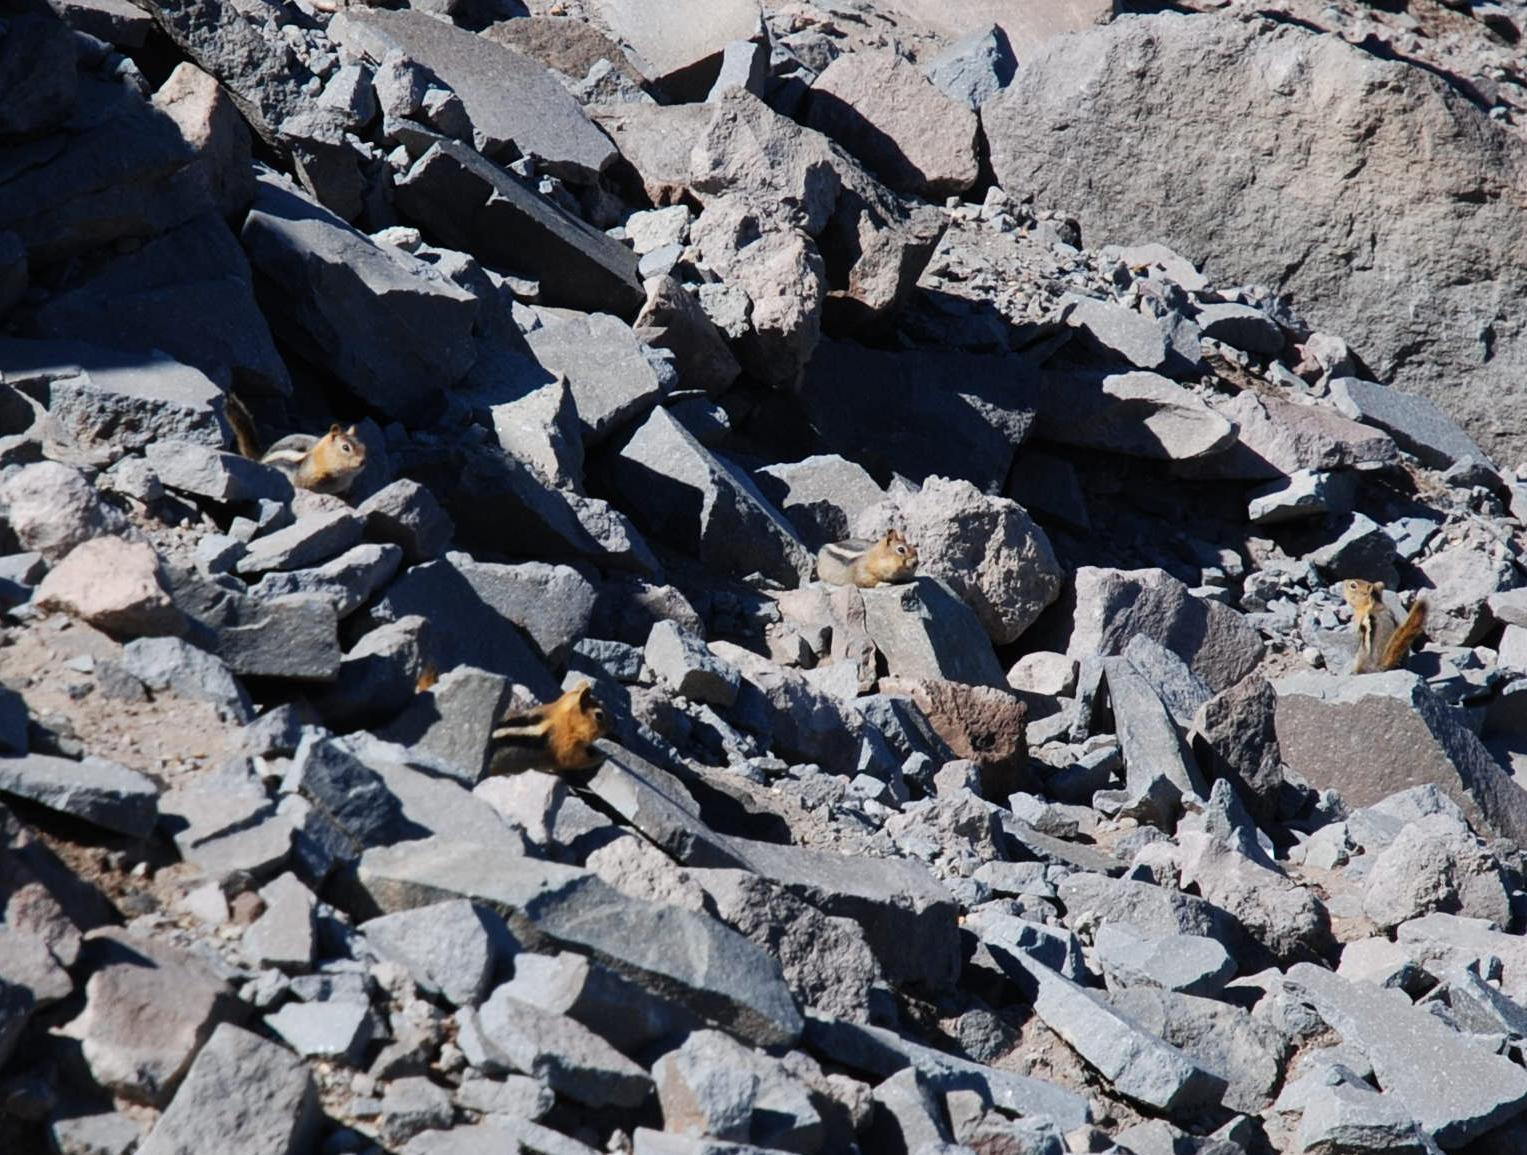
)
(584, 690)
(351, 432)
(1378, 587)
(334, 430)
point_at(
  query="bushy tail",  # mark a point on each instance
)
(243, 424)
(1404, 637)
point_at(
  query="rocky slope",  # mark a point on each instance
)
(1147, 329)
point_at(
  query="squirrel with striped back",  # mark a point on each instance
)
(327, 464)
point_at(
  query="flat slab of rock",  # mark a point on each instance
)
(612, 383)
(105, 793)
(511, 98)
(566, 1055)
(924, 630)
(892, 118)
(682, 492)
(1413, 421)
(105, 397)
(1453, 1087)
(1139, 414)
(1136, 1063)
(679, 43)
(243, 1093)
(207, 471)
(445, 947)
(328, 1030)
(390, 330)
(308, 541)
(708, 967)
(453, 720)
(1114, 605)
(1370, 735)
(471, 204)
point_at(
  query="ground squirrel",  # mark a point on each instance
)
(1381, 643)
(864, 563)
(557, 736)
(327, 464)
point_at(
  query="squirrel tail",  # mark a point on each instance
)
(1404, 637)
(243, 424)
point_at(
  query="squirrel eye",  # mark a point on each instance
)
(345, 446)
(901, 549)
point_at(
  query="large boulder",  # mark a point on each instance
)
(375, 317)
(512, 100)
(1305, 178)
(679, 43)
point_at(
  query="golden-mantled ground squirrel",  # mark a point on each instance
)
(865, 564)
(557, 736)
(327, 464)
(1382, 644)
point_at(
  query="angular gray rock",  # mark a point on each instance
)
(1415, 422)
(1081, 99)
(673, 319)
(681, 660)
(407, 515)
(243, 1093)
(285, 935)
(347, 582)
(96, 790)
(308, 541)
(1187, 963)
(1278, 438)
(324, 1030)
(1118, 330)
(892, 118)
(822, 495)
(1242, 327)
(393, 333)
(1139, 414)
(208, 472)
(112, 402)
(1136, 1063)
(471, 204)
(716, 973)
(714, 1086)
(616, 1009)
(1369, 735)
(511, 99)
(683, 493)
(567, 1056)
(446, 948)
(452, 722)
(1453, 1088)
(610, 379)
(975, 67)
(1114, 605)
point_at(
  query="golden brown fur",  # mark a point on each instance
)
(327, 464)
(557, 736)
(1382, 644)
(866, 564)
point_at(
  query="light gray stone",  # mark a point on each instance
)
(1119, 330)
(285, 935)
(99, 791)
(1186, 963)
(975, 67)
(678, 44)
(445, 946)
(328, 1030)
(611, 381)
(243, 1093)
(681, 660)
(570, 1058)
(51, 508)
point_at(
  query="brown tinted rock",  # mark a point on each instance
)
(656, 141)
(563, 43)
(148, 1009)
(112, 584)
(1276, 438)
(216, 132)
(1370, 735)
(982, 723)
(672, 319)
(1236, 738)
(889, 115)
(1286, 178)
(680, 42)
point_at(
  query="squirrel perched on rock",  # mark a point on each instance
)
(557, 736)
(327, 464)
(865, 564)
(1381, 642)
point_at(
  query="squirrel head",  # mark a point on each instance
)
(899, 552)
(1360, 593)
(596, 722)
(341, 450)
